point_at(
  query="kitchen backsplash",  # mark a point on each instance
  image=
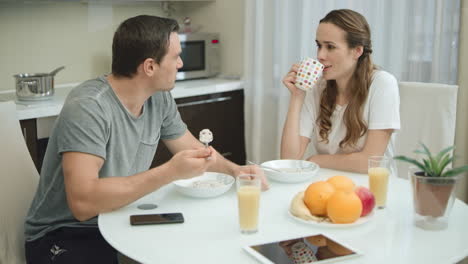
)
(39, 37)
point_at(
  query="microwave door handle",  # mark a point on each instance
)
(207, 101)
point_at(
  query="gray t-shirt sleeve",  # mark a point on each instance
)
(172, 127)
(83, 128)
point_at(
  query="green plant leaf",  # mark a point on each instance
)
(410, 160)
(434, 166)
(456, 171)
(428, 168)
(446, 160)
(431, 164)
(426, 150)
(444, 151)
(418, 151)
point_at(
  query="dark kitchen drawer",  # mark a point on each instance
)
(223, 114)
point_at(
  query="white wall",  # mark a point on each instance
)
(38, 37)
(227, 18)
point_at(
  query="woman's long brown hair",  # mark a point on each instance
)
(357, 34)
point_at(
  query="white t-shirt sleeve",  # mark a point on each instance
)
(384, 102)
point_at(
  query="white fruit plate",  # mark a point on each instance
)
(326, 223)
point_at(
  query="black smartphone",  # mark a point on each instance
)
(154, 219)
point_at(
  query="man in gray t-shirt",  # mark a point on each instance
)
(104, 140)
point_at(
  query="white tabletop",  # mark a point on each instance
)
(211, 234)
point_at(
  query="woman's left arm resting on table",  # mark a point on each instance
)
(376, 144)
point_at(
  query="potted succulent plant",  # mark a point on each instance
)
(433, 183)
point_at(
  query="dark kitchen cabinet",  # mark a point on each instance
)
(29, 129)
(36, 147)
(223, 114)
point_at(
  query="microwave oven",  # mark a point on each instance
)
(200, 55)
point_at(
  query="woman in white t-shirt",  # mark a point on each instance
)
(353, 111)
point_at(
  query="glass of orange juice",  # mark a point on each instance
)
(248, 197)
(379, 172)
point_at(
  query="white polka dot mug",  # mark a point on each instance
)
(308, 74)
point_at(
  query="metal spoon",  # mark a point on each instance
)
(265, 167)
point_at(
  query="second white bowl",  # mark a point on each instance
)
(292, 171)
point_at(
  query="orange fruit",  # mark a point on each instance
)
(344, 207)
(342, 183)
(316, 197)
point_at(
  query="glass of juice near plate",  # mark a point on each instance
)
(248, 197)
(379, 173)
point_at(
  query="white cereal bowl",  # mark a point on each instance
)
(292, 171)
(209, 184)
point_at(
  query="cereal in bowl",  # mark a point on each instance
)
(207, 184)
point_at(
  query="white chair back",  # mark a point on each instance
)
(18, 182)
(428, 115)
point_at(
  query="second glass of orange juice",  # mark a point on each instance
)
(379, 172)
(248, 196)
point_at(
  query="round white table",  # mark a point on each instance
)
(211, 233)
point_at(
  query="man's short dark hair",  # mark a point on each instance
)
(139, 38)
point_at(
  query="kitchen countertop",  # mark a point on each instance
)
(52, 107)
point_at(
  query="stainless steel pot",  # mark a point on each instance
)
(36, 86)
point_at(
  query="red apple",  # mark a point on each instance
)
(367, 199)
